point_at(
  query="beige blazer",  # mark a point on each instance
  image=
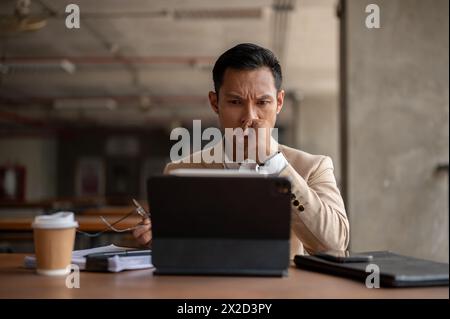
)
(319, 221)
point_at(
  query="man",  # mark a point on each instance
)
(247, 81)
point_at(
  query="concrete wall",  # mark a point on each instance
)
(319, 127)
(38, 155)
(312, 68)
(398, 113)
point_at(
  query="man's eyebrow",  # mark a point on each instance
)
(233, 95)
(237, 96)
(266, 96)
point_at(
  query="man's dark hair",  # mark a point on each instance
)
(246, 56)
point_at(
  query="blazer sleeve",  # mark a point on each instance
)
(318, 216)
(167, 169)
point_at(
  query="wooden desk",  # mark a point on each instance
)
(18, 282)
(113, 211)
(18, 234)
(107, 211)
(87, 223)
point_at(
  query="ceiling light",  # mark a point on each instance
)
(68, 66)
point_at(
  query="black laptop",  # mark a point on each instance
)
(220, 224)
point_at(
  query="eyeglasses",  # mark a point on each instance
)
(111, 226)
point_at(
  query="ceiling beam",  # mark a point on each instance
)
(190, 60)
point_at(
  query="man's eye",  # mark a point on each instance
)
(234, 102)
(264, 102)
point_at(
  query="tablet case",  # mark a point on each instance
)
(395, 270)
(220, 225)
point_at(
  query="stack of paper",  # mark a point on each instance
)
(115, 263)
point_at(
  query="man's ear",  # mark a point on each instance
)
(280, 100)
(213, 101)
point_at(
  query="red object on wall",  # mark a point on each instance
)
(12, 183)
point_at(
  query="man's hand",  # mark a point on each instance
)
(143, 233)
(259, 145)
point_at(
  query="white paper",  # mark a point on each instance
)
(115, 264)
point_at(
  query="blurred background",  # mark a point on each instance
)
(86, 113)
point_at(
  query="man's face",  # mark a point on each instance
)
(247, 98)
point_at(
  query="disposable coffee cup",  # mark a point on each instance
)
(54, 238)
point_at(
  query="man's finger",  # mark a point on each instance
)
(138, 231)
(145, 221)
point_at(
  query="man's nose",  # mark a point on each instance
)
(249, 114)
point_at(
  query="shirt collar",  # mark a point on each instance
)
(274, 164)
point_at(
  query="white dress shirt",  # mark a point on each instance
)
(272, 166)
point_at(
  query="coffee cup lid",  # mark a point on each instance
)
(57, 220)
